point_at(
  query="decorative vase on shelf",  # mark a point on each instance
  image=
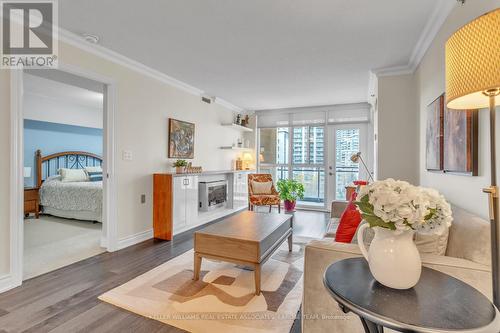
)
(395, 210)
(393, 257)
(179, 169)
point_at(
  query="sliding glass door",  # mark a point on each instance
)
(344, 141)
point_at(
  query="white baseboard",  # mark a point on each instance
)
(104, 241)
(7, 283)
(134, 239)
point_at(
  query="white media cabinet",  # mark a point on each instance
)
(176, 201)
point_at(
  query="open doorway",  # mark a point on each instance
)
(63, 145)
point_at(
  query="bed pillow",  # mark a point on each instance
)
(94, 173)
(261, 187)
(94, 176)
(93, 169)
(72, 175)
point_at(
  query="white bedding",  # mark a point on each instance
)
(82, 200)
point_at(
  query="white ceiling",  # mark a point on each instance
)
(261, 54)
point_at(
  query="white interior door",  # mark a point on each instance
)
(344, 141)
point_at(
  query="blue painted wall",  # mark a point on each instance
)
(54, 138)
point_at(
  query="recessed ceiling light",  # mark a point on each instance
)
(91, 38)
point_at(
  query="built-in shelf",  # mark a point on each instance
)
(238, 127)
(234, 148)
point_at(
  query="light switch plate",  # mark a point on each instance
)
(127, 155)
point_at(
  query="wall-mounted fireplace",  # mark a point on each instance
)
(212, 194)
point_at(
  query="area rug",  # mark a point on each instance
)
(223, 300)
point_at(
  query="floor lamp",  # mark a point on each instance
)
(473, 82)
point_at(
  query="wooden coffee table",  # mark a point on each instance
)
(247, 238)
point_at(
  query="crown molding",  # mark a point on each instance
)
(431, 28)
(228, 105)
(435, 22)
(395, 70)
(105, 53)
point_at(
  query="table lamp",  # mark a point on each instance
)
(247, 158)
(473, 82)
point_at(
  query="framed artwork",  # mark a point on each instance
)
(435, 135)
(461, 141)
(180, 139)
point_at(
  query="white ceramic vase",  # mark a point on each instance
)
(393, 257)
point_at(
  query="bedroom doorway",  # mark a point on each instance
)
(63, 126)
(63, 117)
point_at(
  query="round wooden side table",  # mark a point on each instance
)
(438, 303)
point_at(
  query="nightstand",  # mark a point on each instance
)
(31, 201)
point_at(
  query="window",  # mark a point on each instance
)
(313, 180)
(308, 145)
(274, 145)
(306, 162)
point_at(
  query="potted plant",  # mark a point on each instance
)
(395, 210)
(180, 165)
(290, 190)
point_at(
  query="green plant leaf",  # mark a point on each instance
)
(180, 163)
(375, 221)
(365, 199)
(432, 212)
(290, 189)
(365, 207)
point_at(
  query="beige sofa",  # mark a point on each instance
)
(467, 258)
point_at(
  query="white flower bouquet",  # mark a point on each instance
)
(398, 205)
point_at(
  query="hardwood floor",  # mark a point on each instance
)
(65, 300)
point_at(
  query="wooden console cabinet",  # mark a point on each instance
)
(175, 198)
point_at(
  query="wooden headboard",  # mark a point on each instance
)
(49, 165)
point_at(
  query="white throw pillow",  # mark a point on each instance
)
(73, 175)
(93, 169)
(262, 187)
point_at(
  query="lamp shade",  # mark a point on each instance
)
(473, 63)
(247, 157)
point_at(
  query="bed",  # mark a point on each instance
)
(80, 200)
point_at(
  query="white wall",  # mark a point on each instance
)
(397, 128)
(143, 106)
(56, 102)
(464, 191)
(43, 108)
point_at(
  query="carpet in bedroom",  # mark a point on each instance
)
(51, 243)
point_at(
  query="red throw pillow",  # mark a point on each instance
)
(349, 222)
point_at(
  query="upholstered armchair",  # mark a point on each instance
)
(264, 193)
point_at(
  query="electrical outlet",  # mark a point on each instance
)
(143, 198)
